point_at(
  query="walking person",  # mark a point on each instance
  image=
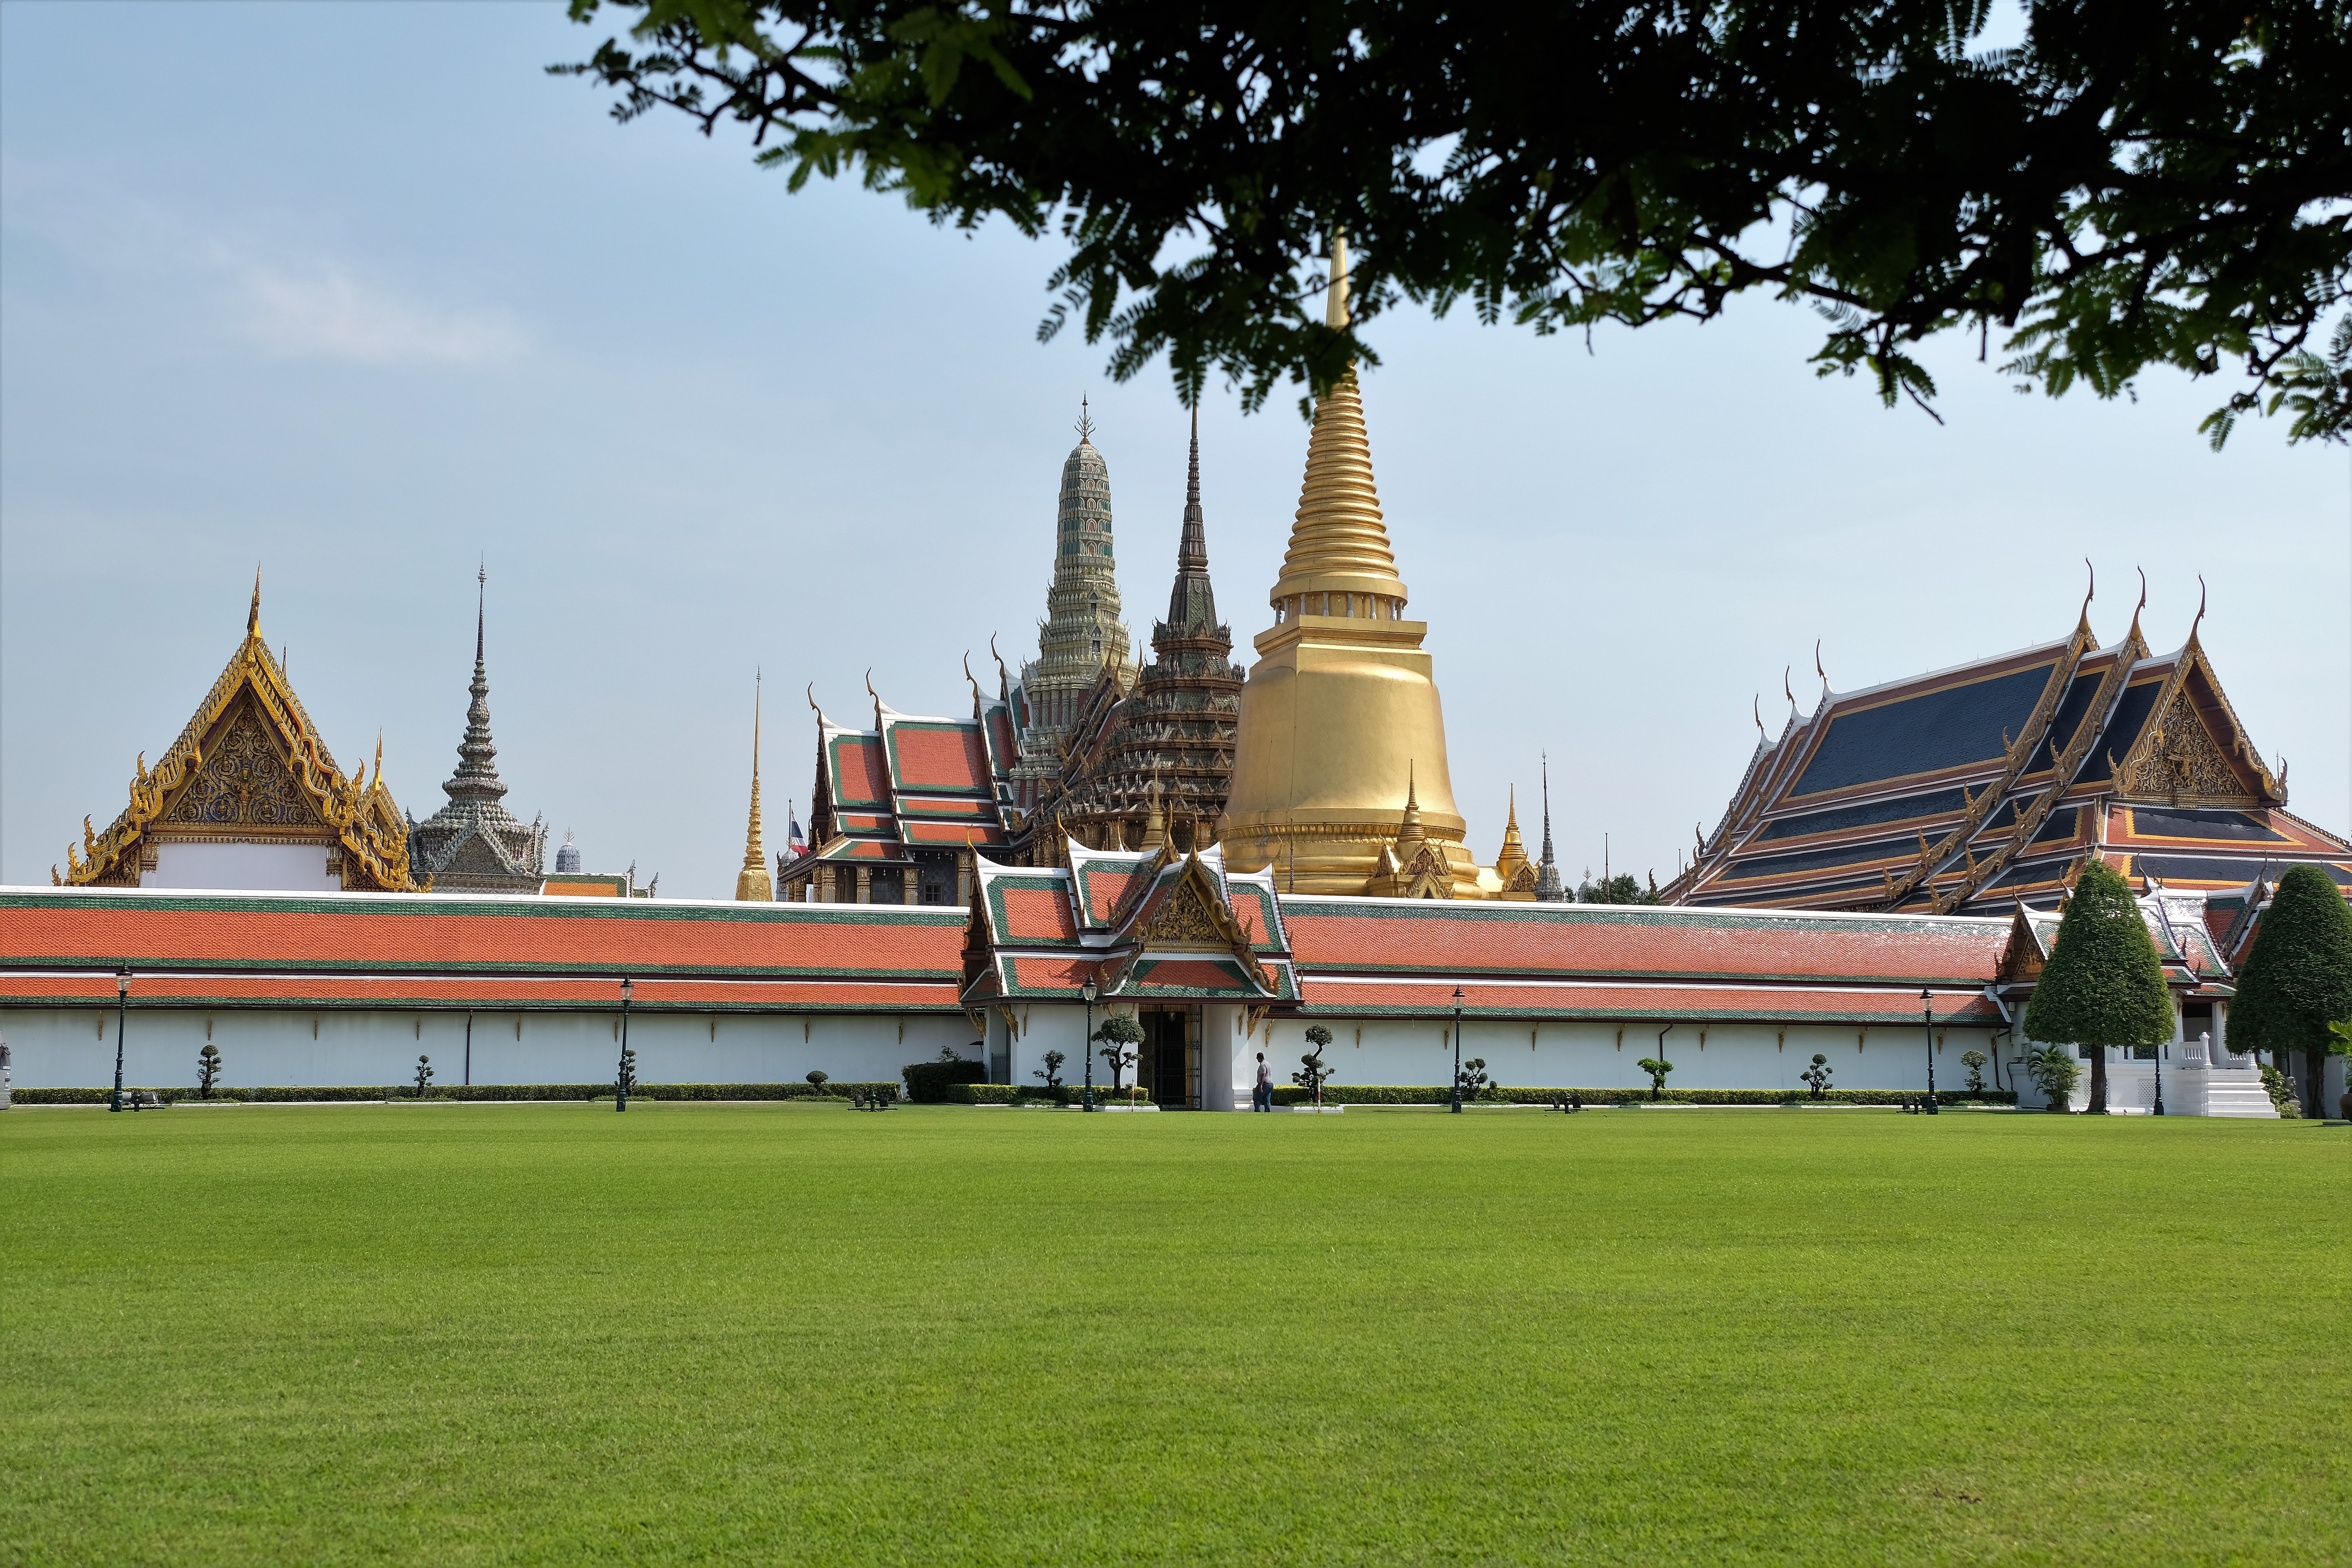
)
(1262, 1097)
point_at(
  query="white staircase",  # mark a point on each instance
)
(2237, 1091)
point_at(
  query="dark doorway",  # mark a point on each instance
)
(1164, 1065)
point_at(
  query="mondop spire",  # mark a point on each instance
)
(754, 884)
(474, 842)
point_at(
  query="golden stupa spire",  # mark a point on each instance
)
(754, 884)
(1514, 854)
(1338, 541)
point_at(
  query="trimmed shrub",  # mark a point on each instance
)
(2104, 984)
(928, 1082)
(2298, 978)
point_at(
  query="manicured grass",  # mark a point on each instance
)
(459, 1335)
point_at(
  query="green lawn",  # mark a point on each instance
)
(455, 1333)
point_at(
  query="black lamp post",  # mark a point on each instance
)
(1086, 1046)
(2159, 1078)
(121, 1023)
(1455, 1107)
(621, 1072)
(1927, 1006)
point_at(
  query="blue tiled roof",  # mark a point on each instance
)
(2236, 824)
(2131, 716)
(2216, 868)
(1819, 859)
(2071, 709)
(1940, 729)
(1902, 808)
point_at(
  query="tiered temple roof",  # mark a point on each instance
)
(899, 811)
(1972, 788)
(1164, 925)
(474, 844)
(249, 767)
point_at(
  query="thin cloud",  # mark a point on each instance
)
(282, 294)
(332, 315)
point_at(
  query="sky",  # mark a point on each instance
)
(359, 295)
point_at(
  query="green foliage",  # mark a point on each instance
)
(2131, 187)
(1474, 1078)
(209, 1069)
(2055, 1070)
(625, 1081)
(1817, 1076)
(1620, 889)
(1119, 1037)
(424, 1075)
(818, 1078)
(1975, 1060)
(1051, 1072)
(2280, 1089)
(2104, 984)
(928, 1082)
(1313, 1071)
(2298, 978)
(1657, 1067)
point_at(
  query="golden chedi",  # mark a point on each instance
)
(1340, 725)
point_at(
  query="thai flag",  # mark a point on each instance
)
(794, 844)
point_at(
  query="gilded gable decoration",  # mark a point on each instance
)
(249, 768)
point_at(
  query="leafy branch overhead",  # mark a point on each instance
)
(2139, 185)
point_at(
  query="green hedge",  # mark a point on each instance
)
(1432, 1094)
(1032, 1093)
(928, 1083)
(545, 1091)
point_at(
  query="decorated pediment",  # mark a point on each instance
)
(243, 780)
(250, 762)
(2193, 752)
(2021, 957)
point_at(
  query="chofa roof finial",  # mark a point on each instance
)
(2089, 594)
(253, 616)
(2200, 609)
(2134, 635)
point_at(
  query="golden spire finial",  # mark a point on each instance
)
(1338, 540)
(1512, 825)
(2083, 621)
(253, 616)
(1335, 303)
(753, 884)
(2200, 609)
(379, 758)
(2133, 635)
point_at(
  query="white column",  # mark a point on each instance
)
(1221, 1048)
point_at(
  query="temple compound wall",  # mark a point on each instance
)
(1215, 965)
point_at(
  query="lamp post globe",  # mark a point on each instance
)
(1454, 1105)
(121, 1022)
(620, 1073)
(1927, 1008)
(1087, 1046)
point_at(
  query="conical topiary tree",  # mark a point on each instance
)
(2104, 984)
(2298, 978)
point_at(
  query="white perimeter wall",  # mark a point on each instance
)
(1590, 1056)
(74, 1048)
(1522, 1054)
